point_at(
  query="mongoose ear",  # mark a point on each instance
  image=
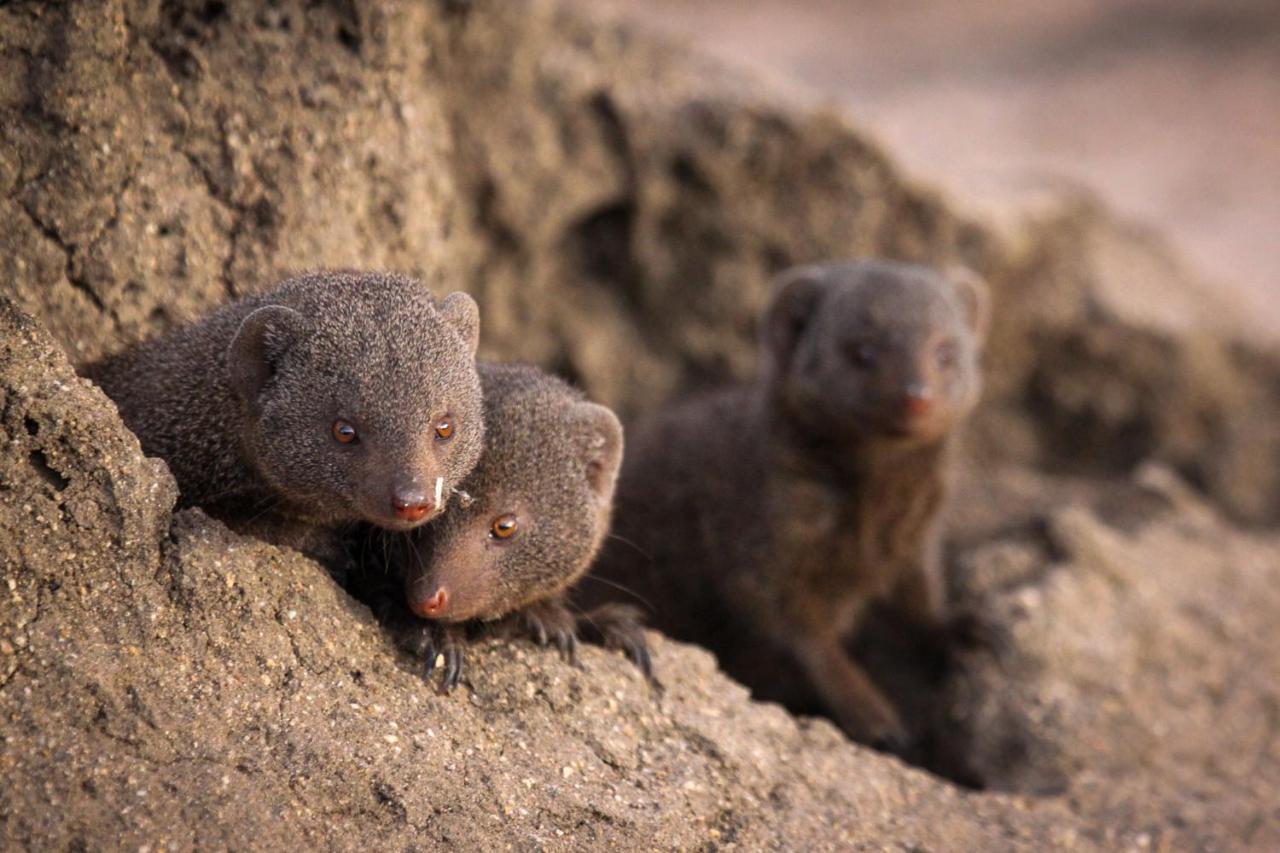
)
(462, 312)
(261, 341)
(603, 433)
(795, 297)
(975, 296)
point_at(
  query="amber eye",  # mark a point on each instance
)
(947, 354)
(344, 433)
(444, 428)
(504, 527)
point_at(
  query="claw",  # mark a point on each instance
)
(638, 653)
(453, 670)
(567, 642)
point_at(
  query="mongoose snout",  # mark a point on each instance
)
(410, 502)
(431, 607)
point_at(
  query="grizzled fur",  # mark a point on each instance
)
(550, 463)
(762, 521)
(242, 403)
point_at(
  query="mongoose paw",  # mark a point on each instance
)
(621, 627)
(894, 740)
(435, 641)
(878, 725)
(551, 621)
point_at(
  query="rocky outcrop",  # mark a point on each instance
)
(618, 208)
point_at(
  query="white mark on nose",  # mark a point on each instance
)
(439, 489)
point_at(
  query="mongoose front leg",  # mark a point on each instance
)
(857, 704)
(545, 622)
(921, 594)
(921, 598)
(621, 627)
(430, 641)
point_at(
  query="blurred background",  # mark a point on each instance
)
(1167, 109)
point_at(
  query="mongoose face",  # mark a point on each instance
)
(540, 503)
(365, 405)
(876, 348)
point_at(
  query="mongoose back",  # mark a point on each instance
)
(534, 513)
(762, 521)
(334, 397)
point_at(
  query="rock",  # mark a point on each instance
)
(1139, 676)
(618, 208)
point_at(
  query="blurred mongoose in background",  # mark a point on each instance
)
(530, 519)
(762, 521)
(335, 397)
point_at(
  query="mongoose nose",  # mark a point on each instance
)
(431, 607)
(918, 400)
(411, 506)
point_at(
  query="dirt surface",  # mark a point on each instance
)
(167, 682)
(617, 207)
(1169, 109)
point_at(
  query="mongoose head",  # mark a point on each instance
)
(360, 397)
(540, 501)
(875, 348)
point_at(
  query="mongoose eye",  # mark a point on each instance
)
(444, 427)
(947, 354)
(863, 355)
(504, 527)
(344, 433)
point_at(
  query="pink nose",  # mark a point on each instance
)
(411, 507)
(432, 607)
(918, 401)
(918, 407)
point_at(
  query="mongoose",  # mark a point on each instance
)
(532, 516)
(763, 520)
(332, 398)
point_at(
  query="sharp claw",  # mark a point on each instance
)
(568, 645)
(640, 657)
(540, 633)
(453, 670)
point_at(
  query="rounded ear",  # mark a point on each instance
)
(975, 297)
(796, 294)
(603, 447)
(462, 312)
(261, 341)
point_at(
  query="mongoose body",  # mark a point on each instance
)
(532, 517)
(762, 521)
(335, 397)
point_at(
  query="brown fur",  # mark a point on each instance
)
(762, 521)
(241, 404)
(550, 461)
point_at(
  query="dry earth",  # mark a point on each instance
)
(617, 206)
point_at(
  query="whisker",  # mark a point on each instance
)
(413, 546)
(583, 614)
(625, 541)
(631, 592)
(271, 502)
